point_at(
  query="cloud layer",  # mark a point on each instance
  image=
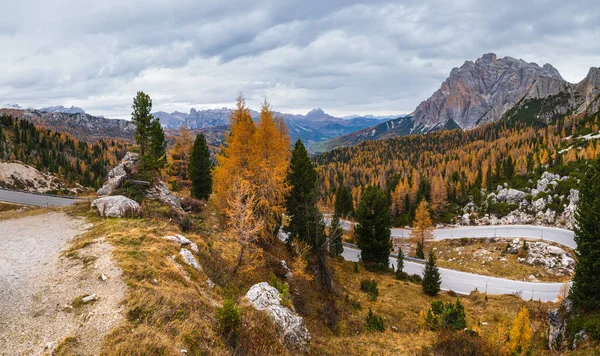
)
(344, 56)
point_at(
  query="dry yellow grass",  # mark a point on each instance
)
(167, 312)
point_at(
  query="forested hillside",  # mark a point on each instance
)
(452, 168)
(50, 151)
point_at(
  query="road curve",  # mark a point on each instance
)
(464, 282)
(24, 198)
(533, 232)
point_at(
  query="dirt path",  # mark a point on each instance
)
(37, 285)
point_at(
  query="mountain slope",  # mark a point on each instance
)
(486, 91)
(81, 126)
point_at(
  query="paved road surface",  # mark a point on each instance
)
(561, 236)
(464, 282)
(11, 196)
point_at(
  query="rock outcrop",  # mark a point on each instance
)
(290, 325)
(118, 175)
(553, 258)
(480, 92)
(117, 206)
(126, 169)
(533, 205)
(162, 193)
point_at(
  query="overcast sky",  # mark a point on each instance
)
(346, 57)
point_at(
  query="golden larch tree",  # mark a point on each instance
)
(234, 157)
(270, 156)
(521, 332)
(422, 228)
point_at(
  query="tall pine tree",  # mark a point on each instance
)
(158, 146)
(373, 228)
(585, 292)
(142, 119)
(200, 168)
(344, 206)
(431, 276)
(306, 222)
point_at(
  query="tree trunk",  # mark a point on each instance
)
(239, 262)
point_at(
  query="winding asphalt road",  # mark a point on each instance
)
(464, 282)
(24, 198)
(460, 282)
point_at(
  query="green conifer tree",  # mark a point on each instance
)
(373, 228)
(158, 146)
(586, 283)
(400, 274)
(306, 221)
(431, 276)
(200, 168)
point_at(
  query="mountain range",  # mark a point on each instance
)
(484, 91)
(313, 127)
(478, 92)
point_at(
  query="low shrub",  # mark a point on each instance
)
(186, 224)
(446, 316)
(228, 320)
(192, 205)
(374, 322)
(370, 287)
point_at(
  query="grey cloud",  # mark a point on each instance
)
(344, 56)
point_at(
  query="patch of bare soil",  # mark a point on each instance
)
(42, 290)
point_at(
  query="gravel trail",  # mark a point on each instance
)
(37, 284)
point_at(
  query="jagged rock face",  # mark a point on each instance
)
(480, 92)
(80, 125)
(119, 174)
(116, 206)
(290, 325)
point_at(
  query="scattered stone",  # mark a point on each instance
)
(288, 272)
(553, 258)
(117, 206)
(210, 283)
(103, 277)
(290, 325)
(189, 258)
(89, 298)
(194, 247)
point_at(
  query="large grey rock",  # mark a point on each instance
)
(539, 205)
(117, 206)
(480, 92)
(162, 193)
(119, 174)
(290, 325)
(510, 196)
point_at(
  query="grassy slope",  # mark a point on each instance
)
(167, 312)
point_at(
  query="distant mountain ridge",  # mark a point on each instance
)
(484, 91)
(313, 127)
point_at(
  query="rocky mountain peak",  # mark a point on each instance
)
(479, 92)
(315, 113)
